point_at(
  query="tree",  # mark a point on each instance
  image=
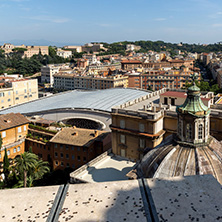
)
(25, 163)
(39, 170)
(6, 167)
(30, 169)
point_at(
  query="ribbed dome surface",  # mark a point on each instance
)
(175, 160)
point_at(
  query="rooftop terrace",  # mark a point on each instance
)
(106, 167)
(194, 198)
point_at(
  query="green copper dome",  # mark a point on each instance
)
(193, 103)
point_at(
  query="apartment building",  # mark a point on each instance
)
(74, 48)
(30, 50)
(35, 50)
(131, 47)
(64, 53)
(157, 64)
(155, 79)
(131, 64)
(66, 81)
(136, 125)
(13, 129)
(17, 91)
(7, 47)
(69, 147)
(48, 72)
(93, 47)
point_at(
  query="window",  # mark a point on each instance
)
(56, 163)
(3, 134)
(123, 152)
(67, 165)
(78, 148)
(61, 146)
(14, 150)
(73, 157)
(25, 90)
(67, 156)
(8, 152)
(56, 154)
(18, 149)
(84, 159)
(19, 129)
(16, 98)
(172, 102)
(9, 100)
(141, 127)
(16, 92)
(72, 147)
(122, 124)
(9, 93)
(78, 158)
(24, 128)
(189, 131)
(73, 166)
(165, 101)
(67, 147)
(62, 164)
(200, 131)
(2, 101)
(142, 143)
(122, 139)
(61, 154)
(40, 155)
(55, 145)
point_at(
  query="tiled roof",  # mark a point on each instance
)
(179, 94)
(131, 61)
(76, 136)
(11, 120)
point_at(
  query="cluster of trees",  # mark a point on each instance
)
(24, 171)
(14, 63)
(205, 86)
(120, 47)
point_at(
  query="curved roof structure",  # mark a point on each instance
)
(99, 99)
(175, 160)
(193, 104)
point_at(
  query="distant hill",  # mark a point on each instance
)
(37, 42)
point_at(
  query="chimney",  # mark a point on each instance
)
(75, 134)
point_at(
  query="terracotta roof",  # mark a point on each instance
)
(131, 61)
(179, 94)
(175, 94)
(76, 136)
(11, 120)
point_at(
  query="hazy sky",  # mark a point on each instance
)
(82, 21)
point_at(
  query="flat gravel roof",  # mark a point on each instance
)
(97, 99)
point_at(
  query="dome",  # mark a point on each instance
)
(193, 104)
(172, 159)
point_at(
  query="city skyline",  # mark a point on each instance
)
(192, 21)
